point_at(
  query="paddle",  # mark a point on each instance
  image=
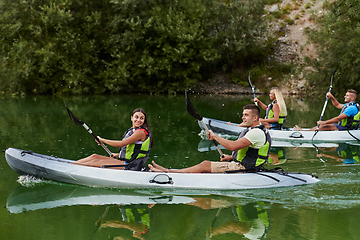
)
(317, 153)
(208, 233)
(253, 88)
(191, 109)
(323, 110)
(77, 121)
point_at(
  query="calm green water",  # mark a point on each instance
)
(35, 209)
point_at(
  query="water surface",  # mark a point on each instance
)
(37, 209)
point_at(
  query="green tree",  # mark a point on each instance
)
(162, 48)
(111, 46)
(338, 40)
(52, 47)
(240, 33)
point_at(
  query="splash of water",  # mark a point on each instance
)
(29, 181)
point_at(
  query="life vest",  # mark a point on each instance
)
(135, 154)
(255, 215)
(281, 155)
(349, 152)
(250, 157)
(270, 114)
(250, 211)
(139, 215)
(350, 122)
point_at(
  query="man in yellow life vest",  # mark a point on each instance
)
(250, 150)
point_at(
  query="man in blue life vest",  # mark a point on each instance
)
(347, 119)
(250, 150)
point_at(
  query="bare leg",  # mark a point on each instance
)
(96, 160)
(326, 127)
(203, 167)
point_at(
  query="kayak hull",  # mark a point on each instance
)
(291, 134)
(61, 170)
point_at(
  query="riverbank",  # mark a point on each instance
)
(291, 47)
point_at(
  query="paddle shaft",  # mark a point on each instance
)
(252, 88)
(326, 101)
(97, 139)
(192, 111)
(317, 152)
(322, 113)
(81, 123)
(216, 145)
(208, 234)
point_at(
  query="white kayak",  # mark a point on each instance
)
(290, 134)
(61, 170)
(206, 145)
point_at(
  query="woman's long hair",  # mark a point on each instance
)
(146, 124)
(280, 100)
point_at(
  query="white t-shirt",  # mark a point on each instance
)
(257, 138)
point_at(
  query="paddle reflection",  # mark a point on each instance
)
(145, 214)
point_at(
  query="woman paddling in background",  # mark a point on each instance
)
(134, 147)
(275, 112)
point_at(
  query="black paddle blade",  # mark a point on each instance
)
(332, 77)
(191, 109)
(73, 117)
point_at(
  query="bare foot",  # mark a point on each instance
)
(297, 128)
(159, 167)
(154, 169)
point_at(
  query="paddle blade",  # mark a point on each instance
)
(331, 80)
(73, 117)
(252, 87)
(191, 109)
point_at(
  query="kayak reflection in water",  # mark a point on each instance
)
(346, 153)
(134, 147)
(250, 150)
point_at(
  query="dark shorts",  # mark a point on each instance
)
(339, 127)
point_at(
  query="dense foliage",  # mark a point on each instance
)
(111, 46)
(338, 41)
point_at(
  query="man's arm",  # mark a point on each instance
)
(333, 120)
(334, 101)
(229, 144)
